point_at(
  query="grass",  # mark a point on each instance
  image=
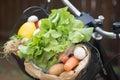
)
(12, 71)
(9, 69)
(117, 70)
(17, 74)
(1, 69)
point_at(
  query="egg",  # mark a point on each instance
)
(56, 69)
(79, 53)
(32, 18)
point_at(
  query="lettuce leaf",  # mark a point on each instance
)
(57, 33)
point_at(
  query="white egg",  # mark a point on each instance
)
(79, 52)
(32, 18)
(36, 31)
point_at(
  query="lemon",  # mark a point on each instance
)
(27, 29)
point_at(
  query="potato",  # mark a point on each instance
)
(56, 69)
(67, 74)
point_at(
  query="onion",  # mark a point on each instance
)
(32, 18)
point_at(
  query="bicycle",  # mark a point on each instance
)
(101, 65)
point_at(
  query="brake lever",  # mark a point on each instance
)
(116, 29)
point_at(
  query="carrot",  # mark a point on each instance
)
(71, 63)
(63, 57)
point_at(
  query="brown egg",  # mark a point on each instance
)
(56, 69)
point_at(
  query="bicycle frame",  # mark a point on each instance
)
(107, 72)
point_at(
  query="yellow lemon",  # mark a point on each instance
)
(27, 29)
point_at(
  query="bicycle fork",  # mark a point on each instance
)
(107, 71)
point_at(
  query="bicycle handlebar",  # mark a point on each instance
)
(107, 34)
(74, 10)
(77, 13)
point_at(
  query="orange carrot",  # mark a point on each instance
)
(63, 57)
(71, 63)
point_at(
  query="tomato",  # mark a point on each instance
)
(27, 29)
(32, 18)
(37, 25)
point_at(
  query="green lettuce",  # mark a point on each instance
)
(57, 33)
